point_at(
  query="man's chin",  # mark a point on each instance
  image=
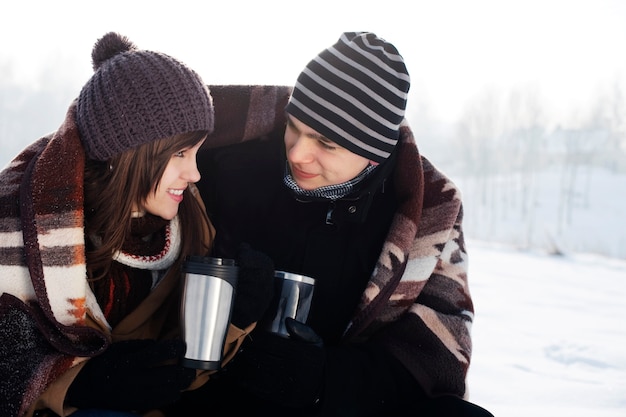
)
(307, 186)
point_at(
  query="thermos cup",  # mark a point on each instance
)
(208, 294)
(292, 298)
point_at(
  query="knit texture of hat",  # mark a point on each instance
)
(354, 93)
(137, 96)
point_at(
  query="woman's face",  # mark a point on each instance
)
(315, 161)
(179, 172)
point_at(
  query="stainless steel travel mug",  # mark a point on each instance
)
(292, 298)
(208, 294)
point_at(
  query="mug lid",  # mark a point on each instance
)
(294, 277)
(210, 260)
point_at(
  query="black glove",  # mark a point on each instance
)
(255, 286)
(286, 371)
(131, 375)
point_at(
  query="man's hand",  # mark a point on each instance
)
(286, 371)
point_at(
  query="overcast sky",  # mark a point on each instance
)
(454, 49)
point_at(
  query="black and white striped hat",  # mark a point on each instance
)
(355, 94)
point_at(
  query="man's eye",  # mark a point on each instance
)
(327, 145)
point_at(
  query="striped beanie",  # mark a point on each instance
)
(354, 93)
(137, 96)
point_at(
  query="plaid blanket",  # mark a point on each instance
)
(44, 294)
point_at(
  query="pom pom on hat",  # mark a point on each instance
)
(137, 96)
(355, 94)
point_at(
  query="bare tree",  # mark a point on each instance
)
(526, 131)
(477, 138)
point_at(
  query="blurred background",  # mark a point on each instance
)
(522, 103)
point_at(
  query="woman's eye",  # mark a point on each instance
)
(179, 154)
(327, 145)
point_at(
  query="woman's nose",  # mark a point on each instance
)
(192, 174)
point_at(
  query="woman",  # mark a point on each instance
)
(95, 221)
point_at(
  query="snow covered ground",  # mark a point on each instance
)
(549, 333)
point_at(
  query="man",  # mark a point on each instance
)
(334, 188)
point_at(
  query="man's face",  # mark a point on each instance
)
(315, 161)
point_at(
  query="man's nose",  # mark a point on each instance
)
(301, 150)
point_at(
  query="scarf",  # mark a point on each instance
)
(330, 192)
(154, 243)
(151, 248)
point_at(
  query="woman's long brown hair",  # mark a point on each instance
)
(114, 187)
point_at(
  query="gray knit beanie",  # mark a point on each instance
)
(135, 97)
(355, 94)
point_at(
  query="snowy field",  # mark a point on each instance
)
(549, 333)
